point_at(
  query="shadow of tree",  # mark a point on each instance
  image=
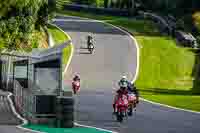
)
(84, 52)
(82, 47)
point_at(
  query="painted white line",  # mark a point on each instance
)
(69, 60)
(137, 69)
(73, 20)
(30, 130)
(101, 129)
(51, 40)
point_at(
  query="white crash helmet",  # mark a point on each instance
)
(123, 82)
(124, 77)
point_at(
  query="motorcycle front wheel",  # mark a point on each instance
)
(120, 116)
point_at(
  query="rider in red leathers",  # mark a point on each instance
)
(123, 91)
(125, 88)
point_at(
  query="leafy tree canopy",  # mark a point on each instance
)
(18, 20)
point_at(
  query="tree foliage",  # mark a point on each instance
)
(177, 7)
(18, 20)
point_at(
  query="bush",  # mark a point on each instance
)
(19, 19)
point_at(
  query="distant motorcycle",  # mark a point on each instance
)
(76, 86)
(90, 43)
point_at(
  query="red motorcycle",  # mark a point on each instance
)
(122, 107)
(76, 86)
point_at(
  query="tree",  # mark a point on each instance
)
(18, 20)
(106, 3)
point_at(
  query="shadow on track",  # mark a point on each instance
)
(84, 53)
(83, 47)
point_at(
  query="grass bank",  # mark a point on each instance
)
(59, 37)
(166, 69)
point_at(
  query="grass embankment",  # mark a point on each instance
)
(59, 37)
(166, 70)
(47, 129)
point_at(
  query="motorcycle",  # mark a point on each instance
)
(122, 107)
(76, 86)
(132, 101)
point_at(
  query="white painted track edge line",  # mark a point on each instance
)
(137, 69)
(31, 130)
(101, 129)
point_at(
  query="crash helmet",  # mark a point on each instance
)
(123, 82)
(76, 77)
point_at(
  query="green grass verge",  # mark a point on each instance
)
(48, 129)
(59, 37)
(166, 70)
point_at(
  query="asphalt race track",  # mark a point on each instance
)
(115, 55)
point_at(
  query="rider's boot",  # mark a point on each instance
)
(114, 109)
